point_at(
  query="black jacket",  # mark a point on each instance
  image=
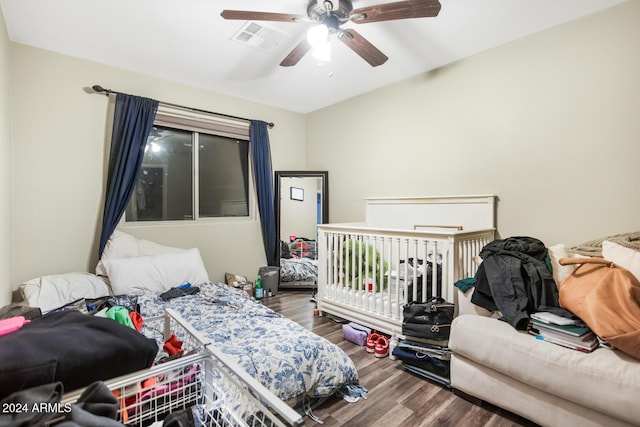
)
(514, 278)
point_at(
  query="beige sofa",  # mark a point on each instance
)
(543, 382)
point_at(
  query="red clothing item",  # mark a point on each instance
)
(172, 345)
(137, 320)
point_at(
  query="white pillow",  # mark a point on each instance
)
(123, 245)
(156, 273)
(560, 272)
(119, 245)
(147, 247)
(622, 256)
(50, 292)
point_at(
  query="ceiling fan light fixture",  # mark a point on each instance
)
(322, 52)
(318, 35)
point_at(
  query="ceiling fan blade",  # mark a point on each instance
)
(398, 10)
(247, 15)
(296, 54)
(362, 47)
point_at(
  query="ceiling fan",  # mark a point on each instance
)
(330, 15)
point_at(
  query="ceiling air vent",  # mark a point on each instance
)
(259, 36)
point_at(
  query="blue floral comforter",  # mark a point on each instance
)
(288, 359)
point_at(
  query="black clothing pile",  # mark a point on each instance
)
(73, 348)
(515, 278)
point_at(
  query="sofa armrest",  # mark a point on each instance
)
(465, 306)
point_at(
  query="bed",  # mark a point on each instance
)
(408, 249)
(292, 362)
(295, 364)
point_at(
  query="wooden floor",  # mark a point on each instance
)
(396, 397)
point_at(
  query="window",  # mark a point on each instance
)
(178, 182)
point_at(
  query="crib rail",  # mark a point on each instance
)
(367, 275)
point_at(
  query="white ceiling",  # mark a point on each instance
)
(187, 41)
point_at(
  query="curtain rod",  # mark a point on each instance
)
(99, 89)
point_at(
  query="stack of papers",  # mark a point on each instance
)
(562, 331)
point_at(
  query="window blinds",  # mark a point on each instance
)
(202, 122)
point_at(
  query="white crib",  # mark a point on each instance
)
(409, 249)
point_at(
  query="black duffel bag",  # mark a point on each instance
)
(423, 360)
(430, 320)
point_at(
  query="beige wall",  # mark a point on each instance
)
(5, 165)
(60, 153)
(548, 123)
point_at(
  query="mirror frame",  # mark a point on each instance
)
(324, 175)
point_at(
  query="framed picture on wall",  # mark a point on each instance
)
(297, 193)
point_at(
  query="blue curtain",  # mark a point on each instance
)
(132, 122)
(261, 158)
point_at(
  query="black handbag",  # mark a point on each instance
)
(429, 320)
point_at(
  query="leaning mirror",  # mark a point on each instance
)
(302, 202)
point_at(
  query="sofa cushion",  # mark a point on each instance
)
(622, 256)
(605, 380)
